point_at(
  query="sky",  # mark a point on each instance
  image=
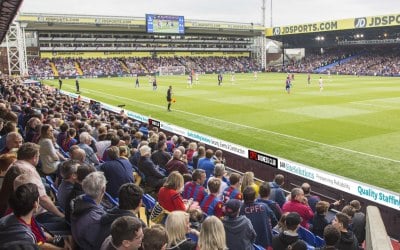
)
(284, 12)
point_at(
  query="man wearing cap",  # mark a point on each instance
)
(239, 231)
(289, 236)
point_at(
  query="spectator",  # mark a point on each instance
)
(50, 157)
(201, 152)
(176, 164)
(69, 140)
(155, 238)
(177, 226)
(13, 227)
(153, 177)
(218, 158)
(115, 141)
(161, 157)
(82, 171)
(331, 237)
(211, 204)
(85, 140)
(319, 221)
(248, 180)
(265, 191)
(7, 188)
(298, 203)
(87, 211)
(32, 130)
(240, 233)
(219, 173)
(233, 192)
(169, 195)
(117, 171)
(312, 199)
(126, 233)
(78, 154)
(130, 201)
(63, 134)
(27, 159)
(289, 237)
(68, 173)
(277, 193)
(190, 152)
(212, 235)
(13, 142)
(206, 163)
(194, 189)
(6, 160)
(347, 241)
(281, 226)
(358, 221)
(260, 216)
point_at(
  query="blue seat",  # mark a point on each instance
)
(275, 232)
(319, 242)
(49, 180)
(149, 202)
(109, 198)
(258, 247)
(193, 237)
(306, 235)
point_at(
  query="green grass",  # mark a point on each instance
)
(351, 128)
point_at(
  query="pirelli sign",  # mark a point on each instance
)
(344, 24)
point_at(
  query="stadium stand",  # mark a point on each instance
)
(382, 61)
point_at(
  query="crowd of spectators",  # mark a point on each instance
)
(199, 214)
(103, 67)
(377, 61)
(100, 67)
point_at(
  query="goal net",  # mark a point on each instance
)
(171, 70)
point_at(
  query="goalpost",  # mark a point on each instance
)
(171, 70)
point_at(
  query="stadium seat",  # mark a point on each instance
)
(319, 242)
(193, 237)
(49, 180)
(258, 247)
(275, 232)
(306, 235)
(109, 198)
(149, 202)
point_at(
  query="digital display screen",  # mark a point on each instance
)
(165, 24)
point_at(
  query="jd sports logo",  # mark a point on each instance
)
(360, 22)
(277, 31)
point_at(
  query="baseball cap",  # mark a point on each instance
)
(232, 207)
(292, 219)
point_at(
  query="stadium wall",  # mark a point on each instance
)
(329, 186)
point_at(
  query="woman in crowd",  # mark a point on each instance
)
(169, 195)
(50, 157)
(248, 180)
(177, 226)
(212, 234)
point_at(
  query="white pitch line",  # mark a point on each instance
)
(257, 129)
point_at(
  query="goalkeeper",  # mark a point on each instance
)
(169, 97)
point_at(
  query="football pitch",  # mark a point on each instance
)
(351, 128)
